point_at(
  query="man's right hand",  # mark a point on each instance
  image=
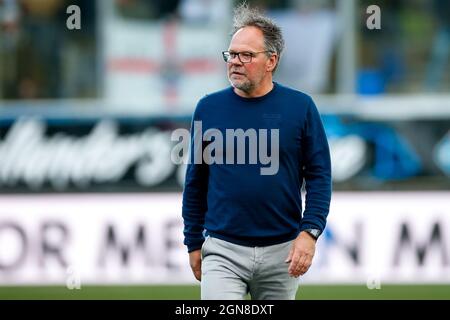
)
(195, 260)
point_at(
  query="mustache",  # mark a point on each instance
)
(236, 71)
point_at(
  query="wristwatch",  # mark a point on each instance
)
(315, 233)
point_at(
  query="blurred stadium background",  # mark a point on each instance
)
(90, 202)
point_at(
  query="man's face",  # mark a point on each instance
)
(248, 76)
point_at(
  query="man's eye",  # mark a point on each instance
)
(246, 54)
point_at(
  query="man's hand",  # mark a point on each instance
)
(195, 260)
(301, 254)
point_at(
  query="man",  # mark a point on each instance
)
(257, 241)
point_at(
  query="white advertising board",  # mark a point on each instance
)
(396, 237)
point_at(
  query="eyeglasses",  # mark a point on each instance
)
(244, 57)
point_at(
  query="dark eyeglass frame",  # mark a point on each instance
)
(228, 56)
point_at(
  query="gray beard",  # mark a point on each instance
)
(247, 86)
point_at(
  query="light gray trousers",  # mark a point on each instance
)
(230, 271)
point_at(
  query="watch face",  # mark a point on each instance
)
(314, 232)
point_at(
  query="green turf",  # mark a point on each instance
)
(305, 292)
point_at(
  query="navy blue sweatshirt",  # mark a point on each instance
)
(234, 201)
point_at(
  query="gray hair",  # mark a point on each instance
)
(244, 16)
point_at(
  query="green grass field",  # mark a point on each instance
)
(168, 292)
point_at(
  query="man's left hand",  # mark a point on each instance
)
(301, 254)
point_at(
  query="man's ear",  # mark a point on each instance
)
(272, 62)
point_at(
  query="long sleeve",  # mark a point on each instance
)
(316, 171)
(195, 191)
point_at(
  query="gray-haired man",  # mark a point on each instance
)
(257, 240)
